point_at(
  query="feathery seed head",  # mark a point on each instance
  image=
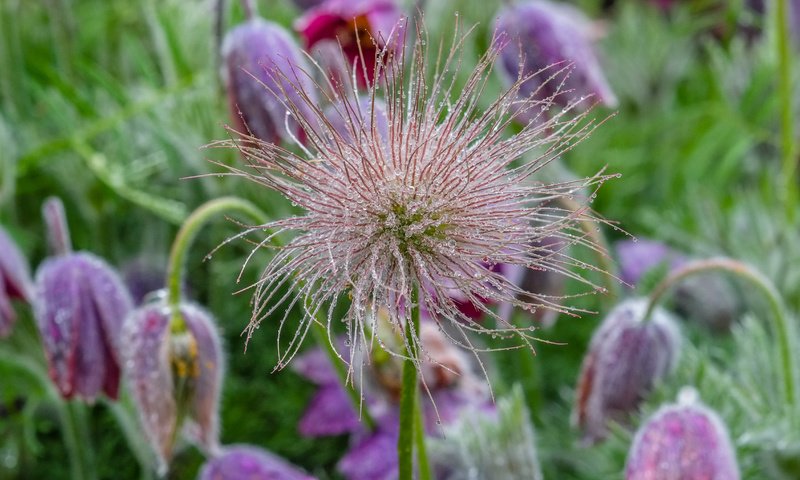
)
(403, 216)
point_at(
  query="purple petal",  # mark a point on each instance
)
(329, 413)
(15, 281)
(372, 458)
(636, 257)
(315, 366)
(243, 462)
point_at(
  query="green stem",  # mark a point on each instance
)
(408, 396)
(121, 412)
(419, 440)
(783, 329)
(72, 428)
(785, 95)
(186, 235)
(321, 336)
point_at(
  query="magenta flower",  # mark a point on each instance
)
(15, 281)
(682, 441)
(175, 378)
(243, 462)
(368, 27)
(555, 39)
(627, 357)
(423, 208)
(253, 54)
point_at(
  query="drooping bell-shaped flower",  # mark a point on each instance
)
(627, 356)
(15, 281)
(80, 304)
(244, 462)
(682, 441)
(175, 375)
(708, 298)
(261, 62)
(363, 29)
(554, 38)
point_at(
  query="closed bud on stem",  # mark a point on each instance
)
(556, 39)
(80, 304)
(682, 441)
(241, 462)
(627, 357)
(175, 376)
(260, 64)
(15, 281)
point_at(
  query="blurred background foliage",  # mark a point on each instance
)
(108, 103)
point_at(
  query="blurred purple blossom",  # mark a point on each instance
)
(682, 441)
(15, 281)
(143, 275)
(244, 462)
(556, 39)
(261, 62)
(80, 304)
(627, 356)
(637, 257)
(174, 376)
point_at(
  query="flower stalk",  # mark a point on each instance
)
(788, 171)
(783, 329)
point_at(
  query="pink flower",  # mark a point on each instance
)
(359, 26)
(418, 209)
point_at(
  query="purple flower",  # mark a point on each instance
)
(627, 357)
(682, 441)
(637, 257)
(350, 119)
(143, 275)
(261, 62)
(360, 26)
(80, 305)
(174, 376)
(15, 281)
(243, 462)
(555, 39)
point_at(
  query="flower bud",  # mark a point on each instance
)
(262, 70)
(174, 375)
(15, 281)
(80, 305)
(627, 356)
(363, 28)
(554, 39)
(682, 441)
(240, 462)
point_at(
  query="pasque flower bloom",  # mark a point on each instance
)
(426, 210)
(626, 357)
(686, 440)
(174, 376)
(243, 462)
(15, 281)
(80, 303)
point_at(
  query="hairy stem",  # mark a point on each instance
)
(419, 441)
(408, 396)
(783, 330)
(73, 431)
(58, 238)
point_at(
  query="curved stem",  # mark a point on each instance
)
(186, 235)
(783, 329)
(785, 94)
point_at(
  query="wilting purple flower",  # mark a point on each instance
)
(80, 305)
(423, 208)
(553, 38)
(707, 297)
(174, 376)
(243, 462)
(15, 281)
(627, 357)
(367, 27)
(682, 441)
(261, 61)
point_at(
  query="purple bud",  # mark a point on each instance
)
(15, 281)
(556, 39)
(682, 441)
(637, 257)
(174, 376)
(80, 305)
(627, 357)
(262, 70)
(243, 462)
(359, 26)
